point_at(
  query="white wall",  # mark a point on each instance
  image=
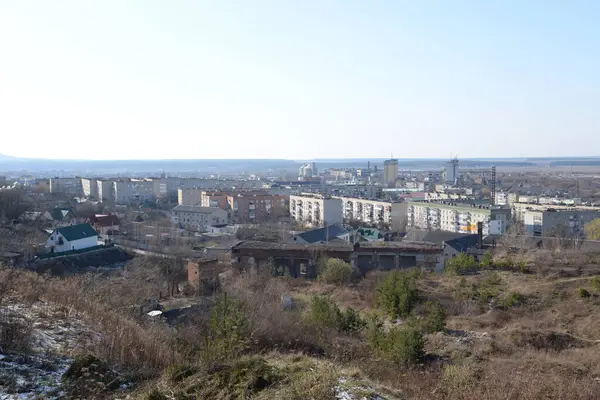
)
(67, 246)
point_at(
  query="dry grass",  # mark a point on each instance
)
(546, 346)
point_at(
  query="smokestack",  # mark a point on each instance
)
(480, 235)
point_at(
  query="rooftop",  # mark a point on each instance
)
(256, 245)
(76, 232)
(195, 209)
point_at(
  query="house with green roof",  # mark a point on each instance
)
(365, 234)
(74, 237)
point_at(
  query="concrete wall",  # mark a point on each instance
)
(332, 211)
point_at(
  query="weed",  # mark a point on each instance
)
(583, 292)
(512, 299)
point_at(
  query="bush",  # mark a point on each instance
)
(583, 293)
(399, 345)
(435, 318)
(325, 313)
(512, 299)
(398, 294)
(461, 264)
(336, 271)
(15, 334)
(487, 260)
(522, 267)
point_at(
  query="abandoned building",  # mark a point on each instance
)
(203, 275)
(299, 260)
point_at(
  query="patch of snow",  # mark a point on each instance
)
(56, 333)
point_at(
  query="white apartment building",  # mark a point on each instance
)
(367, 211)
(70, 186)
(196, 218)
(133, 190)
(105, 190)
(89, 187)
(374, 212)
(315, 210)
(564, 223)
(454, 217)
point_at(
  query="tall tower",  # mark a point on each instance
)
(390, 171)
(452, 171)
(493, 186)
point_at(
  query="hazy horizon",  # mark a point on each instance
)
(148, 80)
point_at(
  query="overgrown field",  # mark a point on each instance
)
(510, 328)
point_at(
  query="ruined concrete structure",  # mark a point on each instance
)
(299, 260)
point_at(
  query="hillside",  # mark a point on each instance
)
(522, 327)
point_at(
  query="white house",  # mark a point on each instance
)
(74, 237)
(196, 218)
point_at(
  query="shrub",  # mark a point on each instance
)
(351, 322)
(15, 334)
(595, 282)
(399, 345)
(522, 267)
(435, 318)
(512, 299)
(227, 331)
(487, 260)
(336, 271)
(325, 313)
(583, 292)
(461, 264)
(398, 294)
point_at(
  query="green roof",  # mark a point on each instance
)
(76, 232)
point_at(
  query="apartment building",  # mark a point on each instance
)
(189, 196)
(374, 212)
(255, 207)
(214, 199)
(520, 210)
(89, 187)
(133, 190)
(367, 211)
(69, 186)
(456, 217)
(315, 210)
(105, 190)
(558, 222)
(198, 218)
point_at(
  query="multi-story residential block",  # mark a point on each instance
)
(89, 187)
(374, 212)
(255, 207)
(214, 199)
(133, 190)
(189, 196)
(70, 186)
(558, 222)
(453, 217)
(315, 210)
(105, 190)
(198, 218)
(519, 210)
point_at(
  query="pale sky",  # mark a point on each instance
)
(299, 79)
